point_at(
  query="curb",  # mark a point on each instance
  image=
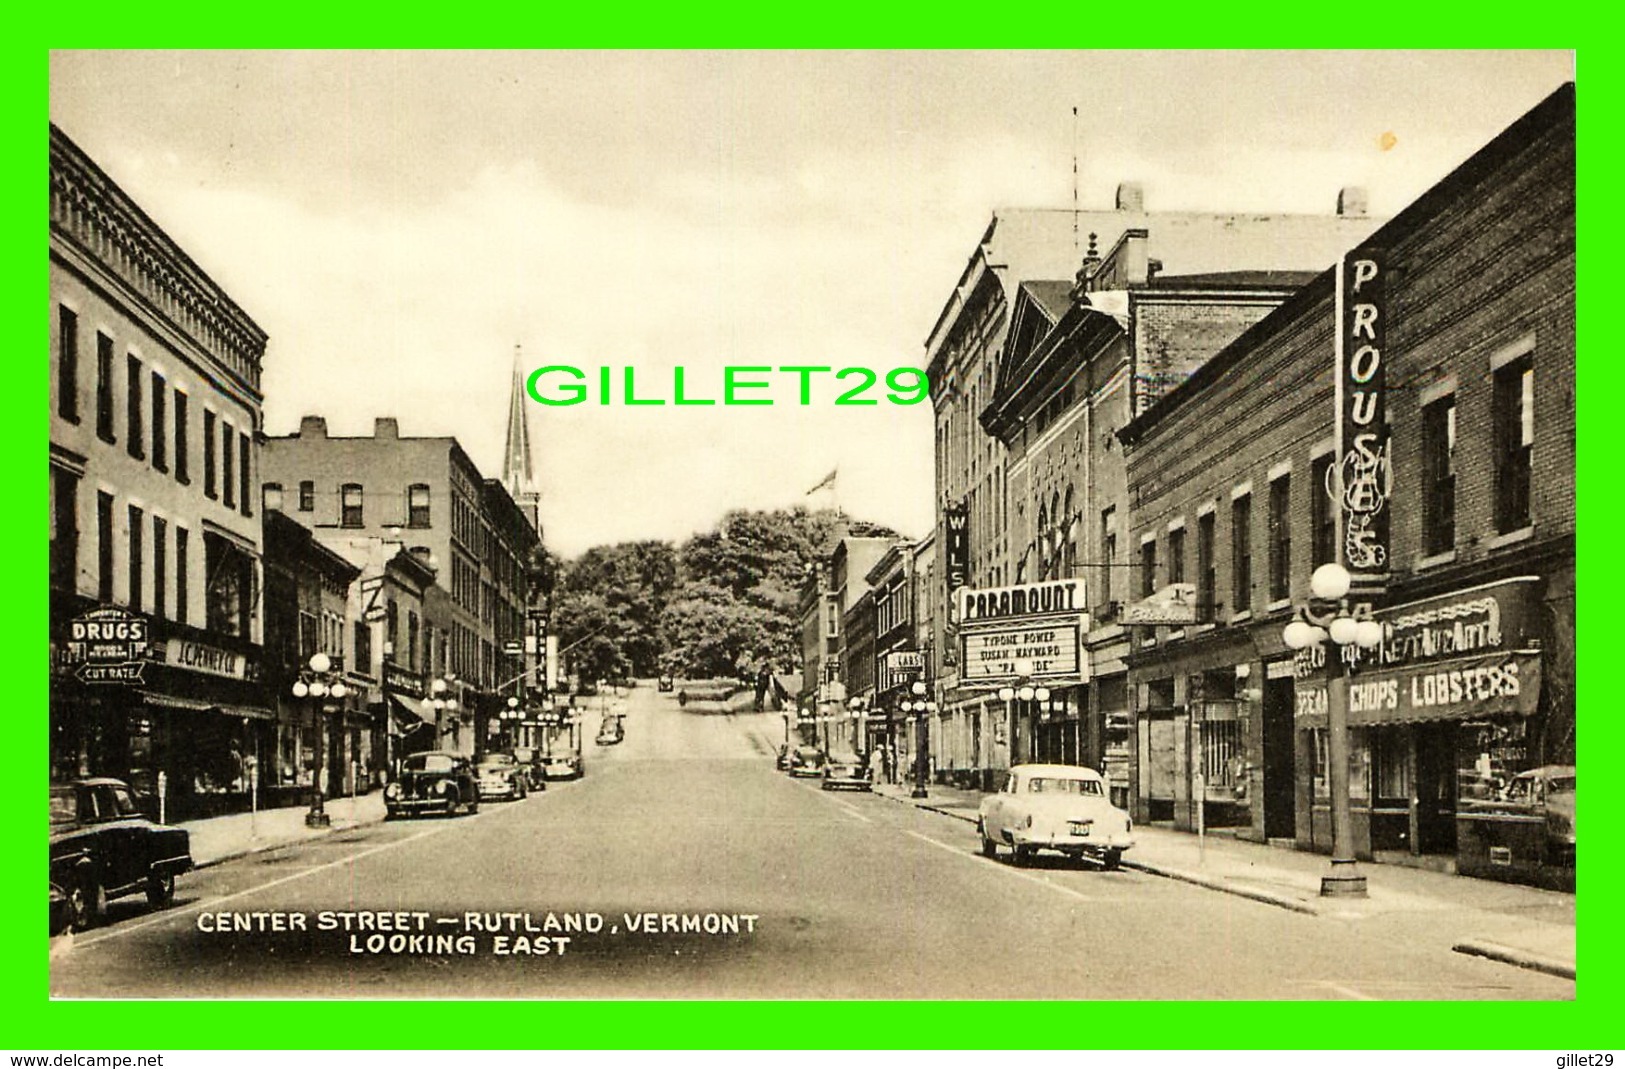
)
(278, 844)
(1523, 959)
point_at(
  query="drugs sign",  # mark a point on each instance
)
(108, 646)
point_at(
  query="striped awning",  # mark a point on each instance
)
(203, 705)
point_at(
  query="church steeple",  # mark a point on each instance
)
(517, 475)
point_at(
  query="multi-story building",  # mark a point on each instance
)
(426, 494)
(155, 413)
(985, 407)
(1468, 311)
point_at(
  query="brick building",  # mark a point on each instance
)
(1228, 479)
(155, 412)
(1028, 387)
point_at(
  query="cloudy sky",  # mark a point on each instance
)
(398, 222)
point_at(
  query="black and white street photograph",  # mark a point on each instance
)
(812, 525)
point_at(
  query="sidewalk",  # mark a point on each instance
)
(1523, 926)
(218, 839)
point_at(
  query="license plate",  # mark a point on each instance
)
(1080, 829)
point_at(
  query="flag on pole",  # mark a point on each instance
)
(828, 480)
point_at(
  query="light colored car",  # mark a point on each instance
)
(846, 770)
(1549, 790)
(562, 764)
(1054, 807)
(500, 776)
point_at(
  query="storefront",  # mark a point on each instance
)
(1450, 757)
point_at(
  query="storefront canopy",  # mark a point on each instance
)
(1461, 688)
(407, 714)
(202, 705)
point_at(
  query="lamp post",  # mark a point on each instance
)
(1023, 690)
(1350, 631)
(854, 707)
(317, 682)
(442, 699)
(511, 732)
(923, 708)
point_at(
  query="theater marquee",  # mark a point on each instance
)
(1040, 624)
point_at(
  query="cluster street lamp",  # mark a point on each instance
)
(441, 697)
(317, 682)
(922, 708)
(1025, 692)
(854, 707)
(1349, 630)
(510, 721)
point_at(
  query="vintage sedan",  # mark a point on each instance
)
(610, 731)
(432, 782)
(806, 761)
(562, 764)
(1054, 807)
(529, 760)
(103, 848)
(846, 771)
(499, 776)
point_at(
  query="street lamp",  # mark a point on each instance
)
(1023, 690)
(854, 706)
(317, 682)
(923, 707)
(442, 699)
(1350, 631)
(512, 716)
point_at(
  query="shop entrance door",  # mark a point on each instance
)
(1436, 788)
(1280, 786)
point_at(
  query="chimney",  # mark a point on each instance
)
(312, 427)
(1351, 200)
(386, 429)
(1130, 197)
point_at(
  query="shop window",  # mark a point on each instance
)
(1280, 521)
(1322, 515)
(1391, 765)
(417, 505)
(1514, 418)
(67, 364)
(1223, 757)
(1439, 476)
(350, 505)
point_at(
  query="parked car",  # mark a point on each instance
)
(846, 770)
(562, 764)
(1549, 789)
(432, 782)
(499, 776)
(1054, 807)
(529, 760)
(666, 684)
(806, 761)
(610, 731)
(103, 848)
(61, 911)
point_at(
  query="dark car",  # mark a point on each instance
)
(666, 684)
(103, 848)
(846, 770)
(807, 761)
(530, 762)
(432, 782)
(500, 776)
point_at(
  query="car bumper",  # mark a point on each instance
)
(856, 783)
(418, 805)
(1071, 844)
(498, 792)
(805, 772)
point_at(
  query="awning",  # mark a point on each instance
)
(1461, 688)
(203, 705)
(407, 714)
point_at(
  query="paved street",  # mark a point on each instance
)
(837, 896)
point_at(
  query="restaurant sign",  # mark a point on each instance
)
(398, 680)
(1362, 484)
(1496, 684)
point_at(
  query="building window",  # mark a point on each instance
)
(1322, 516)
(1514, 442)
(1176, 555)
(307, 496)
(136, 516)
(392, 624)
(104, 388)
(181, 475)
(64, 529)
(417, 505)
(229, 593)
(243, 475)
(132, 430)
(1241, 553)
(181, 591)
(208, 453)
(228, 465)
(308, 637)
(411, 640)
(67, 364)
(104, 546)
(1148, 567)
(160, 567)
(363, 647)
(1108, 553)
(1439, 475)
(1280, 521)
(1207, 572)
(350, 502)
(160, 422)
(271, 496)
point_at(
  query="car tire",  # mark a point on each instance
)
(160, 889)
(989, 847)
(473, 806)
(1112, 860)
(1020, 854)
(87, 903)
(390, 814)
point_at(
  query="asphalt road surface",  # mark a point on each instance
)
(707, 874)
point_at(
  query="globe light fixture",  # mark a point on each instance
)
(1330, 582)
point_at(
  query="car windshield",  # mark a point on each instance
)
(496, 760)
(64, 807)
(1060, 785)
(430, 762)
(1560, 783)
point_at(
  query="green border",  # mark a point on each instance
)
(36, 1023)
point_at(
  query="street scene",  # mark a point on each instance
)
(674, 563)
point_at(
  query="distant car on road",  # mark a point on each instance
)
(1054, 807)
(562, 764)
(806, 761)
(666, 684)
(529, 760)
(610, 731)
(432, 782)
(103, 848)
(846, 770)
(499, 776)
